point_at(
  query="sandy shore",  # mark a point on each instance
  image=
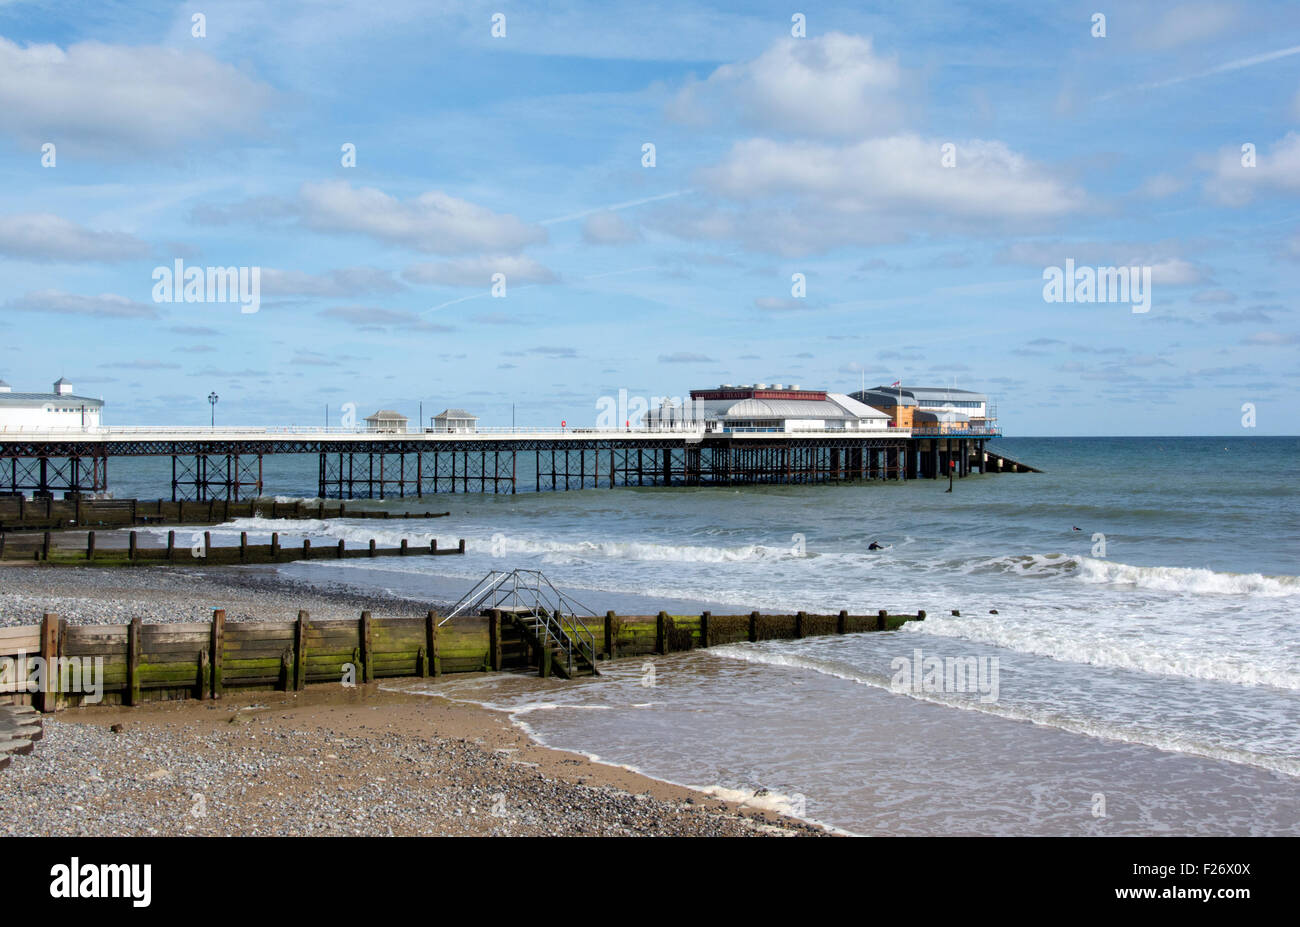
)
(324, 761)
(334, 761)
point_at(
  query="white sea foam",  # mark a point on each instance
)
(1173, 742)
(1186, 579)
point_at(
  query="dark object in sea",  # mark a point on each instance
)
(993, 611)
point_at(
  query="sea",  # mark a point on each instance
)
(1129, 619)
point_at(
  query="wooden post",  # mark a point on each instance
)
(610, 643)
(286, 669)
(300, 651)
(881, 619)
(920, 615)
(544, 662)
(171, 546)
(275, 544)
(133, 662)
(372, 547)
(661, 632)
(753, 627)
(243, 546)
(842, 622)
(217, 647)
(799, 620)
(49, 698)
(90, 545)
(704, 628)
(367, 656)
(403, 547)
(45, 546)
(431, 641)
(427, 650)
(205, 675)
(131, 552)
(433, 546)
(342, 551)
(207, 542)
(306, 548)
(462, 545)
(494, 639)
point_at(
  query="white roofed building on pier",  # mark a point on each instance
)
(58, 410)
(386, 421)
(760, 407)
(456, 421)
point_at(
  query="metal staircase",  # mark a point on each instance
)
(551, 622)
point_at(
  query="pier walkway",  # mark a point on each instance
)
(226, 462)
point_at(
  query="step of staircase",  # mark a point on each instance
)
(20, 728)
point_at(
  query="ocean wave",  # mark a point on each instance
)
(1192, 580)
(1170, 742)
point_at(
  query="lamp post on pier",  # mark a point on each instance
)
(212, 401)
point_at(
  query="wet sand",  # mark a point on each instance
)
(335, 761)
(325, 761)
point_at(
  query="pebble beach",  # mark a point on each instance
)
(363, 761)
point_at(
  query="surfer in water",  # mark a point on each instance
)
(874, 546)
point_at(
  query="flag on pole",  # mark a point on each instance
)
(897, 383)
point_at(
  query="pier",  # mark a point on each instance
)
(227, 463)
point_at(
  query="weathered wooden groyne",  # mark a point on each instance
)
(201, 552)
(144, 662)
(50, 514)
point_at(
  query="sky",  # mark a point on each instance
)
(520, 209)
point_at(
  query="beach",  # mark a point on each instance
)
(1136, 676)
(337, 761)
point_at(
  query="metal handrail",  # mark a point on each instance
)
(547, 604)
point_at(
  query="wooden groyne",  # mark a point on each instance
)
(44, 549)
(146, 662)
(49, 514)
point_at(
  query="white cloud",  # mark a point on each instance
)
(105, 305)
(1188, 23)
(478, 271)
(47, 237)
(434, 222)
(1277, 167)
(1166, 266)
(834, 85)
(97, 97)
(1273, 339)
(347, 281)
(374, 318)
(898, 172)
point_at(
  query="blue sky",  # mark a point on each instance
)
(775, 155)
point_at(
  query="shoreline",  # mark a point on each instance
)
(450, 763)
(362, 762)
